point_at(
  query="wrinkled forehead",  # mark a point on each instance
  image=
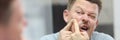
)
(86, 6)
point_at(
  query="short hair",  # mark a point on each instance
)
(98, 2)
(5, 10)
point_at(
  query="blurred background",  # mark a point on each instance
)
(45, 17)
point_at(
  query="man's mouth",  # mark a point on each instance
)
(84, 27)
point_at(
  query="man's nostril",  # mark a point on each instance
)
(85, 21)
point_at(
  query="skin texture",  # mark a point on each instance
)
(83, 12)
(13, 30)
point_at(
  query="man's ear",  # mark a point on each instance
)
(66, 15)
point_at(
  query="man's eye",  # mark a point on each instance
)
(93, 17)
(78, 12)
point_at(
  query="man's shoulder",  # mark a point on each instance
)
(49, 37)
(95, 36)
(101, 36)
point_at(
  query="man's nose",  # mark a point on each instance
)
(85, 19)
(24, 22)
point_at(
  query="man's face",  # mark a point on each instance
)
(83, 11)
(16, 22)
(2, 32)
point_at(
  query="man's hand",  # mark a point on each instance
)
(79, 34)
(67, 34)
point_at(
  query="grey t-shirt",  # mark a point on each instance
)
(95, 36)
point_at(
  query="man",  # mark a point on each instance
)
(11, 20)
(81, 17)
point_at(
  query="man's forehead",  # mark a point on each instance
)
(86, 6)
(16, 9)
(16, 6)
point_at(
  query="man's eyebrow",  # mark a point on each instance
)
(80, 8)
(92, 13)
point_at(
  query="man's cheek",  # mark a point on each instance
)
(69, 19)
(76, 17)
(92, 25)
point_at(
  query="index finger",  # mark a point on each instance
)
(76, 25)
(68, 26)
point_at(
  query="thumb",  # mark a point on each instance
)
(68, 26)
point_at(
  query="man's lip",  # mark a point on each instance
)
(84, 27)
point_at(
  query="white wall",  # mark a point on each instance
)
(39, 16)
(117, 19)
